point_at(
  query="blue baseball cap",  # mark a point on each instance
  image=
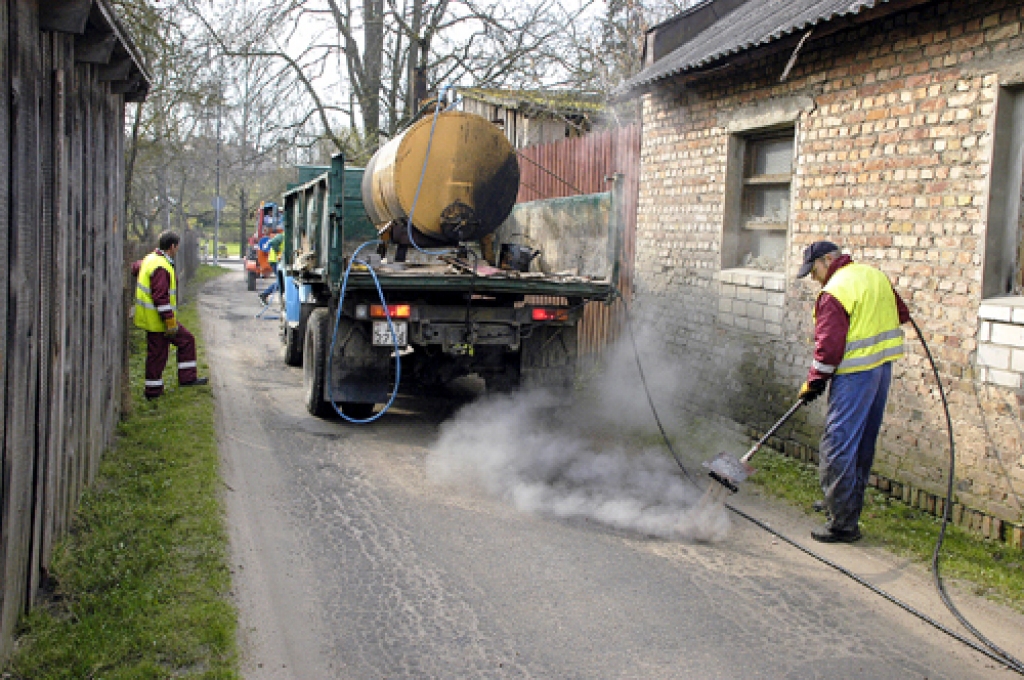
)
(812, 253)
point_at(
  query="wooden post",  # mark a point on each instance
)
(23, 299)
(6, 518)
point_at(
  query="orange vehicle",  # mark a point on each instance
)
(268, 221)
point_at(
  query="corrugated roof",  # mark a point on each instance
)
(755, 23)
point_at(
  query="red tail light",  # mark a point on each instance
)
(394, 311)
(550, 314)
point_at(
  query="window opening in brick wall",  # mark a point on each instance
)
(1004, 247)
(761, 223)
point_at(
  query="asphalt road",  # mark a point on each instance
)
(349, 562)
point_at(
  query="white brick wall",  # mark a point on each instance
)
(1001, 341)
(752, 300)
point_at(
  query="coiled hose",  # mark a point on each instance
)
(987, 647)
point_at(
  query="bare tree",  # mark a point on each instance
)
(286, 77)
(383, 43)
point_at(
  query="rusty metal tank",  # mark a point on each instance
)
(469, 185)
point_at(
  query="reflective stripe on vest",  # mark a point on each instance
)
(875, 336)
(274, 254)
(147, 314)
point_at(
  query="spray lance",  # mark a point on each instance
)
(730, 471)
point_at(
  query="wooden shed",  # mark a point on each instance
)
(532, 117)
(69, 71)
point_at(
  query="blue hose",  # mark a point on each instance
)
(376, 282)
(334, 338)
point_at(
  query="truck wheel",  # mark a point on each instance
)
(314, 363)
(294, 338)
(503, 383)
(292, 352)
(356, 409)
(251, 279)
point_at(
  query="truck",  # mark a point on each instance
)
(422, 263)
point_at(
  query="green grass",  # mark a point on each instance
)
(142, 580)
(984, 567)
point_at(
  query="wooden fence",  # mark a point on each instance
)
(67, 72)
(585, 165)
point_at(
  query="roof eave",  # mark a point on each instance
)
(639, 85)
(102, 35)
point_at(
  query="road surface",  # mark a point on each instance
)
(351, 561)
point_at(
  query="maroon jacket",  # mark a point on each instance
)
(833, 324)
(159, 285)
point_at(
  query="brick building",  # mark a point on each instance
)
(894, 128)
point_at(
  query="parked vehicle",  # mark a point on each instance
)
(268, 217)
(412, 272)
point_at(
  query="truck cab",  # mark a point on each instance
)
(267, 217)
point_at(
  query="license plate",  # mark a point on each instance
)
(382, 333)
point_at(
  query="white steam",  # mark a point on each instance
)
(531, 451)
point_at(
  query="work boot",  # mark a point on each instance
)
(263, 299)
(827, 535)
(194, 383)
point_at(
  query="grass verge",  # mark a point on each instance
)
(141, 582)
(984, 567)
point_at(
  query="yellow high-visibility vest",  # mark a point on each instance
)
(147, 314)
(875, 336)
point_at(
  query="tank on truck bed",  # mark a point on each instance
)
(464, 308)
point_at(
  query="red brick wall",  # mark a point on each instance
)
(893, 142)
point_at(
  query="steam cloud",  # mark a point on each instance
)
(532, 451)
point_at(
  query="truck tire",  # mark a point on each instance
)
(251, 279)
(292, 350)
(293, 339)
(357, 410)
(314, 363)
(503, 383)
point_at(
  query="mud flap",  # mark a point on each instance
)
(548, 358)
(360, 372)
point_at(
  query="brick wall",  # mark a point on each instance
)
(893, 128)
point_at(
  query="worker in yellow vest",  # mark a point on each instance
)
(857, 336)
(274, 249)
(156, 304)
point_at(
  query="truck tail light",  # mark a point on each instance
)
(399, 311)
(550, 314)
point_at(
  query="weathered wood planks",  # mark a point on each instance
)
(62, 283)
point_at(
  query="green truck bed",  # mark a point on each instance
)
(484, 285)
(325, 222)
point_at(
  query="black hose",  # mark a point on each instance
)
(988, 648)
(947, 511)
(1006, 660)
(650, 401)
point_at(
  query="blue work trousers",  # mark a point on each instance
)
(273, 287)
(856, 405)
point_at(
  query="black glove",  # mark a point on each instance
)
(810, 391)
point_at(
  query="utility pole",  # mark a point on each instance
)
(218, 202)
